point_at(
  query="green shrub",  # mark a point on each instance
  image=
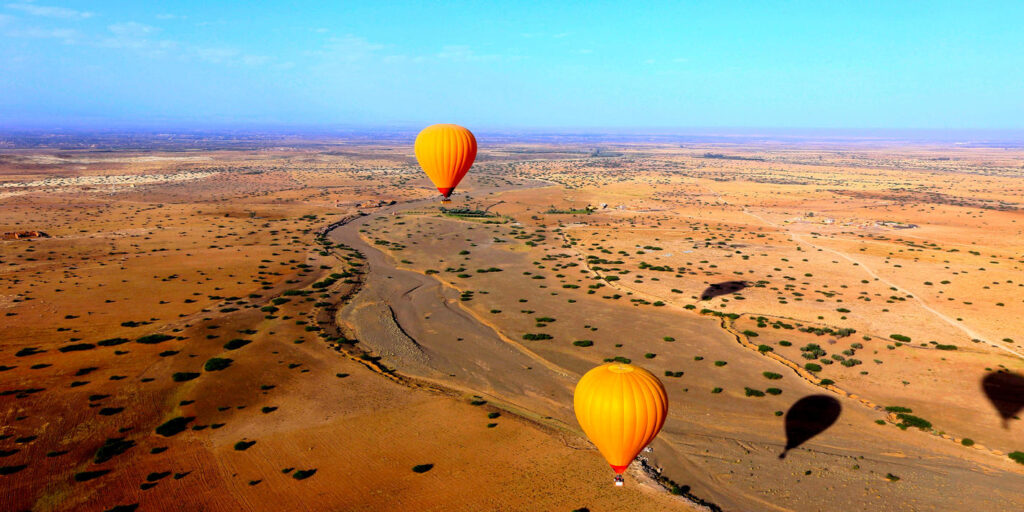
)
(896, 408)
(1017, 457)
(112, 448)
(716, 390)
(112, 342)
(753, 392)
(772, 376)
(967, 442)
(907, 420)
(650, 355)
(773, 391)
(721, 363)
(153, 339)
(583, 343)
(77, 347)
(183, 376)
(535, 337)
(217, 363)
(900, 337)
(236, 343)
(764, 349)
(422, 468)
(244, 445)
(174, 426)
(812, 367)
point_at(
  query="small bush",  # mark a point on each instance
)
(112, 342)
(153, 339)
(236, 344)
(537, 337)
(217, 363)
(583, 343)
(174, 426)
(907, 420)
(183, 376)
(772, 376)
(753, 392)
(77, 347)
(112, 448)
(773, 391)
(967, 442)
(716, 390)
(422, 468)
(244, 445)
(1017, 457)
(812, 367)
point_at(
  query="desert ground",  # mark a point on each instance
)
(294, 324)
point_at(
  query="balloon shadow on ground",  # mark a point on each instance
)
(1006, 392)
(725, 288)
(808, 417)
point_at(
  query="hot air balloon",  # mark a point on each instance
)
(445, 152)
(621, 408)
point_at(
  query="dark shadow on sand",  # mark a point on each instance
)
(725, 288)
(1006, 392)
(808, 417)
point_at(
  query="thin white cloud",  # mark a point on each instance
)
(67, 35)
(216, 55)
(132, 29)
(50, 12)
(170, 17)
(463, 53)
(350, 48)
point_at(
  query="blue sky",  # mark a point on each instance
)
(631, 65)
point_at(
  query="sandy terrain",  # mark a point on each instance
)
(290, 371)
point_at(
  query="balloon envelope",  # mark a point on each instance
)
(621, 408)
(445, 152)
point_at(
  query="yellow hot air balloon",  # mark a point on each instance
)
(445, 152)
(621, 408)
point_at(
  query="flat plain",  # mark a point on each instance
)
(299, 325)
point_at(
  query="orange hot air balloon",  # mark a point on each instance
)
(621, 408)
(445, 152)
